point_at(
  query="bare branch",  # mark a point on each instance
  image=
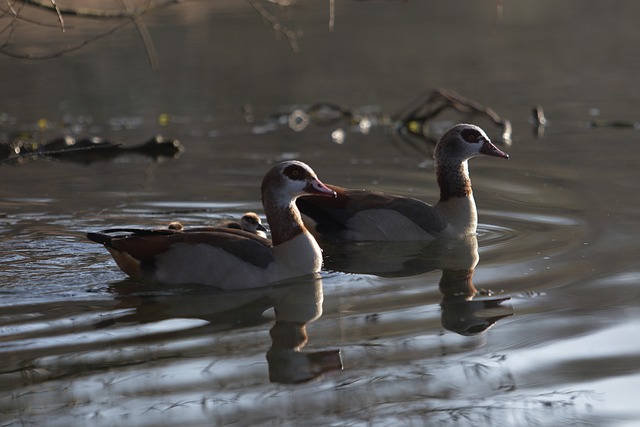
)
(39, 23)
(17, 16)
(66, 50)
(128, 13)
(144, 34)
(430, 104)
(11, 26)
(10, 6)
(100, 13)
(291, 35)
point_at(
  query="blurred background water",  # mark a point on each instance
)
(532, 323)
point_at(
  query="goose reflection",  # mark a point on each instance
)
(465, 310)
(295, 305)
(293, 312)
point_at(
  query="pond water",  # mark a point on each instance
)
(533, 322)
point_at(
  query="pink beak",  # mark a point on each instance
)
(491, 150)
(318, 188)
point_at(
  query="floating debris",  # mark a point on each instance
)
(414, 118)
(539, 121)
(23, 147)
(298, 120)
(338, 136)
(326, 114)
(320, 114)
(413, 121)
(538, 116)
(596, 123)
(158, 146)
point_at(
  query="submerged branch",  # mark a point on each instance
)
(433, 103)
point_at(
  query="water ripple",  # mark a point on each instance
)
(525, 230)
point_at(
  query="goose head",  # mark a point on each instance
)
(463, 142)
(176, 225)
(288, 180)
(251, 222)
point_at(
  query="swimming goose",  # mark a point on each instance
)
(360, 215)
(224, 257)
(249, 222)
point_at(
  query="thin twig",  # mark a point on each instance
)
(11, 26)
(129, 13)
(144, 34)
(17, 16)
(332, 14)
(55, 6)
(290, 34)
(35, 22)
(68, 49)
(99, 13)
(10, 6)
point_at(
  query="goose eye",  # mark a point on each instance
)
(294, 172)
(470, 135)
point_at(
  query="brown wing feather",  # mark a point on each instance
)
(146, 245)
(332, 214)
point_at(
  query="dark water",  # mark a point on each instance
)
(534, 322)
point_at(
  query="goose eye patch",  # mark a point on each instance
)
(295, 172)
(470, 135)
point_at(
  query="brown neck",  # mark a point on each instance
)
(284, 221)
(453, 180)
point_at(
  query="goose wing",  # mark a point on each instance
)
(136, 250)
(332, 216)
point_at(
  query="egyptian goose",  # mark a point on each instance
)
(223, 257)
(249, 222)
(360, 215)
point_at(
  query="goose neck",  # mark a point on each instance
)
(284, 221)
(453, 179)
